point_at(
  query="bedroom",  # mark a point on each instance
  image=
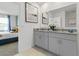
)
(8, 33)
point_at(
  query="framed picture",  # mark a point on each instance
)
(45, 18)
(31, 13)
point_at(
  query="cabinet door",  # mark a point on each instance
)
(37, 38)
(54, 45)
(68, 48)
(44, 40)
(41, 39)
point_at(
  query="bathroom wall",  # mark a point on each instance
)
(26, 28)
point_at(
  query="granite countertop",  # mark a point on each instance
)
(62, 32)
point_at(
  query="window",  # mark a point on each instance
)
(4, 23)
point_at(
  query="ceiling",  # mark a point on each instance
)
(71, 8)
(40, 3)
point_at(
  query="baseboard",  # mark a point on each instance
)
(47, 50)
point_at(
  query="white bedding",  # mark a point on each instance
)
(6, 35)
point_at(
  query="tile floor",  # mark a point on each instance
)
(9, 49)
(35, 52)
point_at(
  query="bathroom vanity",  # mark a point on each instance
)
(58, 42)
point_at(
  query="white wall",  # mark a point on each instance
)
(26, 29)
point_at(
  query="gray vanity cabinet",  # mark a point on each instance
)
(41, 39)
(62, 45)
(59, 43)
(54, 45)
(37, 38)
(44, 40)
(68, 48)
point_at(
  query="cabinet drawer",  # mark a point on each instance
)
(63, 36)
(67, 36)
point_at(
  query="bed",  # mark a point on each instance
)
(6, 37)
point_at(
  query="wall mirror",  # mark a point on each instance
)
(70, 17)
(63, 17)
(55, 18)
